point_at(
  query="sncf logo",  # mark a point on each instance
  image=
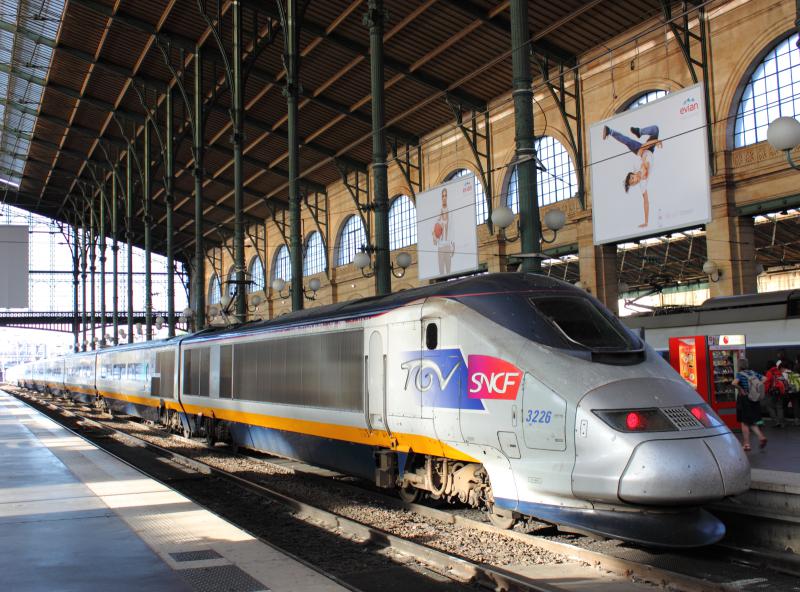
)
(493, 378)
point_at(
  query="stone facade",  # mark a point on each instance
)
(646, 58)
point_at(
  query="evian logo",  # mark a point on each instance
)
(493, 378)
(689, 105)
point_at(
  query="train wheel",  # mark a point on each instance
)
(504, 519)
(210, 431)
(408, 493)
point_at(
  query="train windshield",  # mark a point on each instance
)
(582, 323)
(563, 320)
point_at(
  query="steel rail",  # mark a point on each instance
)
(455, 568)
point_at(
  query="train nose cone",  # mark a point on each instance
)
(690, 471)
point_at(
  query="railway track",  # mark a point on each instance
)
(464, 567)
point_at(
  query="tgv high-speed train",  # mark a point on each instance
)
(517, 393)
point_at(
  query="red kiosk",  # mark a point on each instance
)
(709, 364)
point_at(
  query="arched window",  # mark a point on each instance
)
(555, 177)
(214, 290)
(481, 211)
(772, 91)
(351, 239)
(402, 223)
(512, 192)
(314, 258)
(282, 265)
(256, 271)
(644, 98)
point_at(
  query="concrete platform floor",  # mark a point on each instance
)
(74, 518)
(777, 466)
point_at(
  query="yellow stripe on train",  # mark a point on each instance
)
(380, 438)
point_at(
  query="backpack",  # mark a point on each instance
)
(778, 386)
(755, 388)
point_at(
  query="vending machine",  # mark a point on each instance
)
(709, 364)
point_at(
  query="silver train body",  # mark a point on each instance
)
(517, 393)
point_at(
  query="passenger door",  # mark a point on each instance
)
(376, 381)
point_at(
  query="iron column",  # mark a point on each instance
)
(199, 267)
(375, 19)
(92, 268)
(103, 264)
(525, 155)
(115, 252)
(291, 91)
(170, 199)
(238, 171)
(83, 251)
(75, 280)
(148, 280)
(129, 234)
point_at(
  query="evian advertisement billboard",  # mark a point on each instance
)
(650, 170)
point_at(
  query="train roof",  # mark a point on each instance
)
(140, 345)
(490, 283)
(746, 300)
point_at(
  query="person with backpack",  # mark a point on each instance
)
(776, 388)
(750, 385)
(793, 380)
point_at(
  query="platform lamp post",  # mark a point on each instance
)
(784, 134)
(503, 218)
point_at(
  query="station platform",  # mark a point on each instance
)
(768, 516)
(75, 518)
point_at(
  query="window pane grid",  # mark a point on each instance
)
(646, 98)
(402, 223)
(214, 290)
(314, 260)
(256, 271)
(351, 240)
(773, 91)
(512, 194)
(481, 210)
(556, 182)
(231, 287)
(282, 267)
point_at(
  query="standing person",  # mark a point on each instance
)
(750, 385)
(645, 152)
(441, 237)
(793, 381)
(775, 388)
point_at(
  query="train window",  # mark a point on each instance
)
(225, 371)
(431, 336)
(320, 370)
(165, 366)
(583, 323)
(196, 363)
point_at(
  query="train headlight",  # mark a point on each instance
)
(705, 415)
(636, 420)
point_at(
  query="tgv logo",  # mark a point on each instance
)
(493, 378)
(426, 374)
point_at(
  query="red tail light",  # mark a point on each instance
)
(705, 415)
(635, 421)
